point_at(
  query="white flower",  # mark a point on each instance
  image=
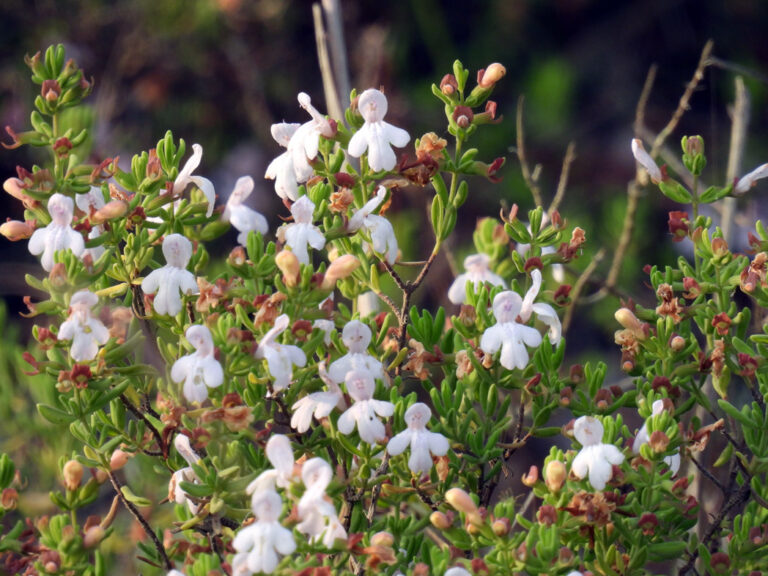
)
(558, 272)
(595, 460)
(423, 443)
(545, 312)
(327, 327)
(456, 571)
(172, 278)
(301, 232)
(477, 271)
(243, 218)
(280, 454)
(748, 180)
(199, 370)
(280, 357)
(185, 178)
(643, 438)
(317, 404)
(356, 337)
(89, 203)
(175, 573)
(507, 334)
(317, 514)
(367, 304)
(383, 240)
(58, 235)
(187, 474)
(376, 136)
(362, 413)
(86, 332)
(257, 545)
(645, 160)
(292, 167)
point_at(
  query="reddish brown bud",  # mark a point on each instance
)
(721, 323)
(720, 562)
(463, 116)
(648, 523)
(344, 180)
(449, 85)
(678, 225)
(50, 90)
(547, 515)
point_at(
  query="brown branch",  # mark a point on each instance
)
(578, 287)
(155, 432)
(529, 180)
(740, 120)
(140, 519)
(685, 99)
(570, 156)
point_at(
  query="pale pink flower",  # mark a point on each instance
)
(302, 233)
(645, 160)
(383, 240)
(242, 217)
(199, 370)
(477, 272)
(280, 454)
(58, 235)
(173, 278)
(356, 337)
(86, 332)
(258, 546)
(544, 312)
(90, 202)
(424, 444)
(376, 136)
(318, 515)
(185, 178)
(595, 460)
(643, 437)
(509, 335)
(280, 357)
(749, 180)
(362, 413)
(317, 404)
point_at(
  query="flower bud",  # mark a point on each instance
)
(449, 85)
(50, 90)
(93, 536)
(118, 460)
(554, 475)
(288, 264)
(15, 187)
(628, 320)
(720, 563)
(648, 523)
(547, 515)
(658, 441)
(16, 230)
(110, 211)
(383, 539)
(237, 257)
(440, 521)
(339, 269)
(73, 474)
(462, 502)
(9, 499)
(501, 526)
(677, 343)
(488, 77)
(58, 276)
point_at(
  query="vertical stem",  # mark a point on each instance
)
(739, 123)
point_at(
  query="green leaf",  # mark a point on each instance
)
(139, 501)
(54, 415)
(675, 191)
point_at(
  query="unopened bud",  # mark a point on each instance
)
(449, 85)
(58, 276)
(440, 520)
(462, 501)
(339, 269)
(16, 230)
(118, 460)
(73, 474)
(658, 441)
(15, 187)
(628, 320)
(490, 76)
(288, 264)
(383, 539)
(677, 343)
(501, 526)
(554, 475)
(93, 536)
(50, 90)
(9, 499)
(237, 257)
(110, 211)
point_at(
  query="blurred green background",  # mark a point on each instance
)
(220, 72)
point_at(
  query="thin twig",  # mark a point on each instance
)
(578, 287)
(336, 46)
(140, 519)
(155, 432)
(682, 106)
(739, 122)
(324, 60)
(709, 476)
(645, 95)
(562, 184)
(529, 180)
